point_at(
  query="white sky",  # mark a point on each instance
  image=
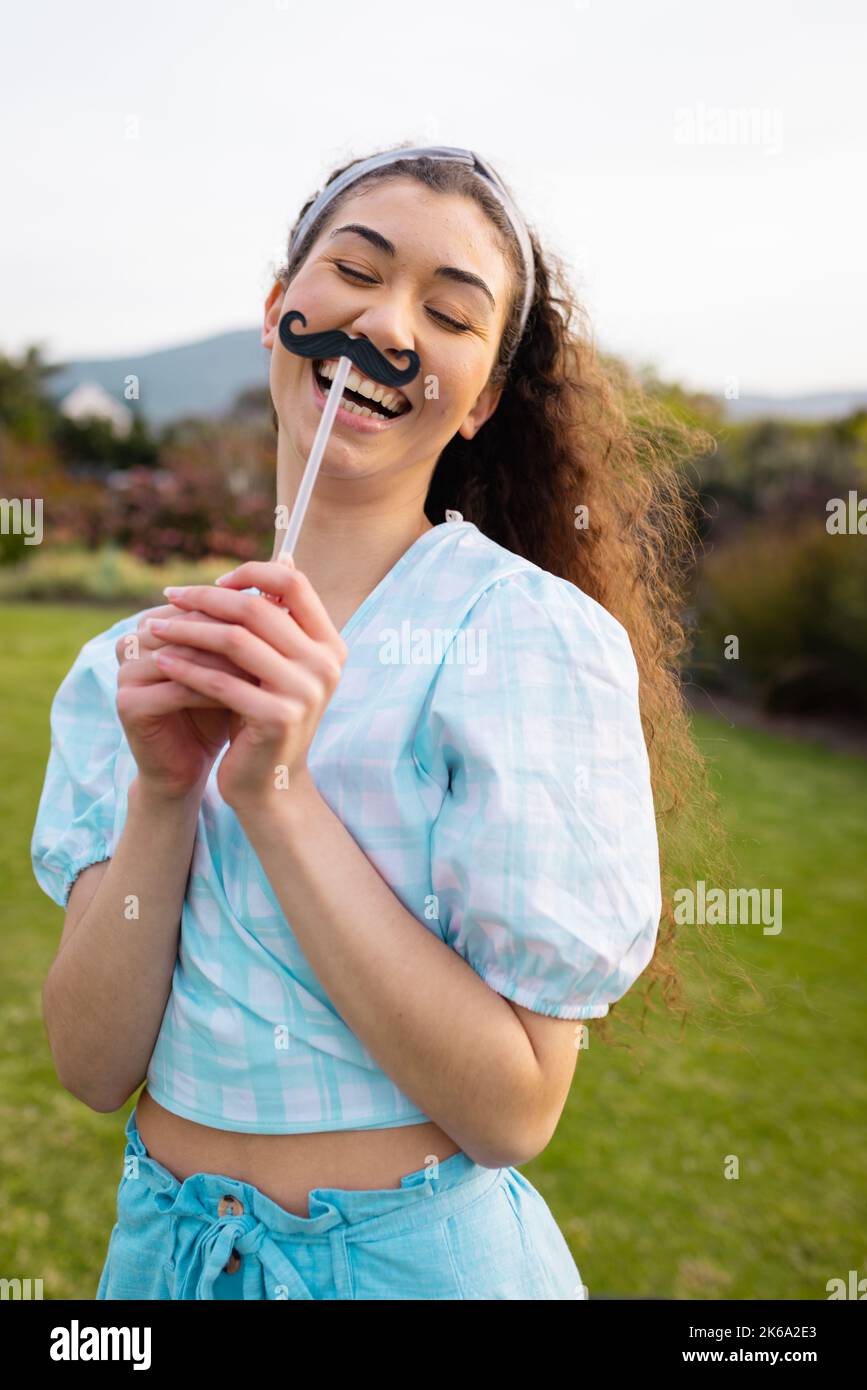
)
(155, 155)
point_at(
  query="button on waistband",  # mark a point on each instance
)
(230, 1206)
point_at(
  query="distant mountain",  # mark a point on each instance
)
(830, 405)
(204, 378)
(200, 378)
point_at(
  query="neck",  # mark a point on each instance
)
(354, 530)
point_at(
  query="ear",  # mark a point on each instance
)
(481, 411)
(273, 305)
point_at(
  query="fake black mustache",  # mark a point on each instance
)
(360, 351)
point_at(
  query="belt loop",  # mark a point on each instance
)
(341, 1271)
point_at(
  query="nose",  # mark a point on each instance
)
(385, 325)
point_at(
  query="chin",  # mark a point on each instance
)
(340, 460)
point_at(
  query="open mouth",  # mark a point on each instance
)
(361, 395)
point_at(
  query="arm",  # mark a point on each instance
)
(461, 1051)
(106, 991)
(458, 1049)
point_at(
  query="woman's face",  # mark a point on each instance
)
(397, 300)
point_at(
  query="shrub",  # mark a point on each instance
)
(104, 575)
(183, 511)
(796, 599)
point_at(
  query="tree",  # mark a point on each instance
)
(26, 409)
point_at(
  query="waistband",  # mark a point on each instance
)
(237, 1217)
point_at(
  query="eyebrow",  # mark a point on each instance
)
(449, 272)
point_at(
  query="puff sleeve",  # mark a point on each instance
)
(544, 854)
(79, 805)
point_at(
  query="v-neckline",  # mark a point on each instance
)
(418, 546)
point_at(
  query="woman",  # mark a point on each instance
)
(350, 952)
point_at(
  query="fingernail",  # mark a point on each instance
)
(221, 577)
(171, 589)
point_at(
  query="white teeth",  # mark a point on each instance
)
(379, 394)
(361, 410)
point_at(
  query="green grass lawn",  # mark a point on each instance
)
(636, 1173)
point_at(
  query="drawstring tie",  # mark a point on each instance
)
(221, 1244)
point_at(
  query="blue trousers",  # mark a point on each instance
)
(454, 1230)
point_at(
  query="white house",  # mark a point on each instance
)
(90, 401)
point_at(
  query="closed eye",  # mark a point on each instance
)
(368, 280)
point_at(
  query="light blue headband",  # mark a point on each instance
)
(480, 167)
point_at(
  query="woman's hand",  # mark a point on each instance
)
(290, 657)
(174, 733)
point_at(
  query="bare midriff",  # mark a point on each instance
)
(286, 1167)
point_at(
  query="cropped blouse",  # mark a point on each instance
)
(484, 749)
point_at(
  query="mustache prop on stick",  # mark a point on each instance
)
(368, 359)
(361, 351)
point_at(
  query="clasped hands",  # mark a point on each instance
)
(271, 663)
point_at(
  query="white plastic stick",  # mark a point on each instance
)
(311, 469)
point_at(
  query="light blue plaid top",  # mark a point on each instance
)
(483, 747)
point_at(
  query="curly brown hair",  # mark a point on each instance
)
(576, 430)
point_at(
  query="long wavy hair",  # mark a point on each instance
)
(576, 430)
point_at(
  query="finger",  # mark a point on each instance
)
(153, 640)
(164, 610)
(129, 643)
(164, 698)
(267, 710)
(294, 590)
(243, 649)
(145, 671)
(268, 575)
(273, 623)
